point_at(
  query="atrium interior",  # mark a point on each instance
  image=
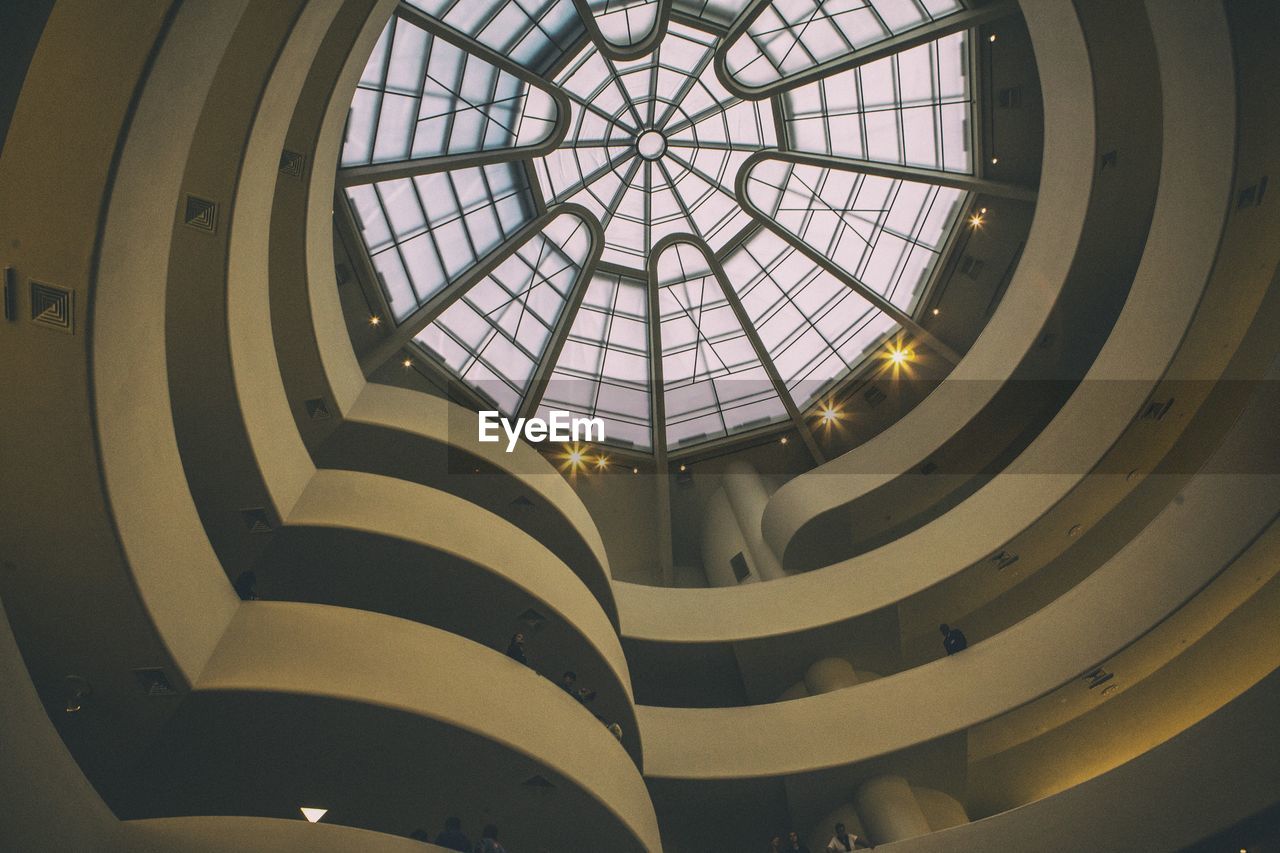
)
(932, 348)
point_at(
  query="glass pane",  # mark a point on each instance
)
(792, 36)
(913, 108)
(603, 370)
(713, 382)
(535, 33)
(815, 328)
(865, 224)
(494, 336)
(699, 134)
(439, 225)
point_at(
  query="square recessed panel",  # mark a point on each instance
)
(53, 306)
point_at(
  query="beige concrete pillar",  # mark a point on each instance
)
(942, 810)
(889, 810)
(829, 674)
(748, 497)
(721, 542)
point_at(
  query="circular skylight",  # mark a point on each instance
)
(552, 191)
(651, 144)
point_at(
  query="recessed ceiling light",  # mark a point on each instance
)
(936, 312)
(784, 439)
(313, 815)
(684, 468)
(408, 362)
(992, 37)
(900, 355)
(375, 320)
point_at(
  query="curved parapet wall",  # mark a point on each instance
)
(1050, 484)
(135, 551)
(372, 427)
(379, 718)
(1191, 543)
(391, 546)
(1066, 205)
(254, 834)
(387, 427)
(1147, 801)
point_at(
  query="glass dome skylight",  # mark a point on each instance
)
(694, 214)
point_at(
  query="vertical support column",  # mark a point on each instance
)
(889, 810)
(658, 423)
(829, 674)
(748, 497)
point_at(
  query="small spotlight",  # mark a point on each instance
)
(684, 468)
(375, 320)
(635, 470)
(936, 312)
(783, 440)
(408, 362)
(900, 355)
(983, 211)
(995, 160)
(992, 37)
(828, 414)
(975, 221)
(575, 458)
(602, 463)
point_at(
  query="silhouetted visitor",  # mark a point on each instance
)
(247, 585)
(775, 844)
(568, 682)
(586, 695)
(515, 649)
(842, 840)
(453, 838)
(953, 639)
(489, 841)
(793, 844)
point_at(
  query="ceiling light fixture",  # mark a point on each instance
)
(829, 414)
(900, 355)
(375, 320)
(602, 463)
(975, 221)
(575, 458)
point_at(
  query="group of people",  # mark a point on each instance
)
(843, 840)
(453, 838)
(568, 682)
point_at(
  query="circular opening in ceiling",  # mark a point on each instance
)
(651, 145)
